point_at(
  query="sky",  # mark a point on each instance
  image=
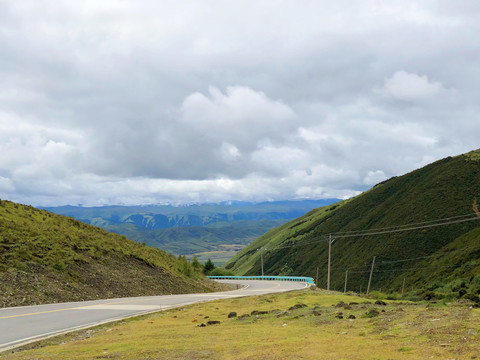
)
(147, 101)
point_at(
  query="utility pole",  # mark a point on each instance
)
(329, 260)
(261, 258)
(371, 273)
(346, 277)
(316, 279)
(403, 286)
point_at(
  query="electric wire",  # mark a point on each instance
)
(387, 230)
(379, 263)
(373, 232)
(406, 225)
(413, 269)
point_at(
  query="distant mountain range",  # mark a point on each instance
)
(196, 228)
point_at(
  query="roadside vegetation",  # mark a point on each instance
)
(47, 258)
(296, 325)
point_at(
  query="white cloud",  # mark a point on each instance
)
(147, 101)
(242, 116)
(374, 177)
(281, 160)
(6, 185)
(408, 86)
(229, 152)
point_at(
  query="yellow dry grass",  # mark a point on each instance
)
(403, 331)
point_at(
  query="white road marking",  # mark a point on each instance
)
(121, 307)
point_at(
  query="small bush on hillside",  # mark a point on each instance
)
(475, 285)
(458, 285)
(378, 295)
(435, 285)
(428, 295)
(394, 296)
(286, 271)
(196, 264)
(187, 268)
(473, 297)
(208, 267)
(220, 272)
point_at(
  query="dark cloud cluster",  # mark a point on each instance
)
(176, 101)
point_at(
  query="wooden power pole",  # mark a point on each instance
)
(329, 260)
(370, 278)
(261, 258)
(346, 277)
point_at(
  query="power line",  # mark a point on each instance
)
(386, 262)
(415, 269)
(413, 227)
(430, 256)
(383, 262)
(411, 259)
(406, 225)
(388, 230)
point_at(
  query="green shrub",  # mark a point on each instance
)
(378, 295)
(394, 296)
(473, 297)
(435, 285)
(208, 267)
(457, 284)
(221, 272)
(474, 286)
(60, 266)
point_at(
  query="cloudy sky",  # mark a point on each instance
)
(146, 101)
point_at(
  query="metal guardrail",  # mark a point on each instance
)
(308, 280)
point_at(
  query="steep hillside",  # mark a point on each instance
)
(46, 257)
(453, 268)
(446, 188)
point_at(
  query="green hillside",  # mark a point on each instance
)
(454, 267)
(446, 188)
(46, 257)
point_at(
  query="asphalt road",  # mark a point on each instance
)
(21, 325)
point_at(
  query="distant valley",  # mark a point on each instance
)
(215, 231)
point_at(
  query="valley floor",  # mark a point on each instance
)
(296, 325)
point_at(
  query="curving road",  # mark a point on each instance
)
(21, 325)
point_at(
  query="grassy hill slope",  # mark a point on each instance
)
(46, 257)
(446, 188)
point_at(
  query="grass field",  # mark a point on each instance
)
(316, 331)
